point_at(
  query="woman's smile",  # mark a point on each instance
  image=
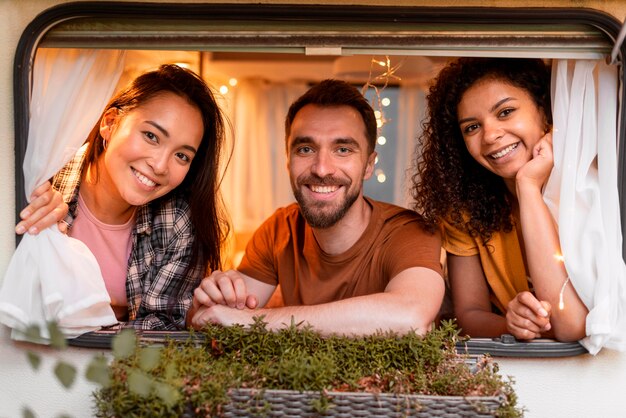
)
(144, 180)
(504, 152)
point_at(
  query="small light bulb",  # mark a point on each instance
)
(386, 101)
(381, 177)
(232, 82)
(223, 89)
(381, 140)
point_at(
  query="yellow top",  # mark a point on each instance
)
(501, 259)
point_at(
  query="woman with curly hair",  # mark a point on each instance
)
(486, 155)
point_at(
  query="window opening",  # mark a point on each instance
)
(370, 32)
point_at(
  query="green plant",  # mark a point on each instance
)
(186, 379)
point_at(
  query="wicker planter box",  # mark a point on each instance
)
(293, 372)
(287, 403)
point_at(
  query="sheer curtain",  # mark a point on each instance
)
(411, 112)
(51, 276)
(583, 196)
(256, 182)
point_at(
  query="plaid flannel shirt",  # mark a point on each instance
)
(161, 250)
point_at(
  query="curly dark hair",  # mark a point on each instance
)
(449, 184)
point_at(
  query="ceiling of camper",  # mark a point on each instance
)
(219, 67)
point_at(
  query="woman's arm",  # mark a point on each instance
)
(472, 305)
(541, 242)
(470, 297)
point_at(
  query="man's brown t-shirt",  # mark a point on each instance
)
(284, 251)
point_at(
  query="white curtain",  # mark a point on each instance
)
(583, 196)
(51, 276)
(256, 182)
(411, 113)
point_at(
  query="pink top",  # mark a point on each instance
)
(111, 244)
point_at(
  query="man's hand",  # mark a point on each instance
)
(527, 317)
(230, 289)
(224, 288)
(46, 208)
(223, 315)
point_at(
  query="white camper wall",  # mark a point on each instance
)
(22, 386)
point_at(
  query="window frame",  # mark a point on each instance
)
(268, 13)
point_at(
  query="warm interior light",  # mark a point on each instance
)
(380, 175)
(559, 257)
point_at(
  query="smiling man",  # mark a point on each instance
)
(346, 264)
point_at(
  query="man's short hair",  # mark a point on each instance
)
(330, 93)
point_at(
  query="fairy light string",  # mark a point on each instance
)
(381, 72)
(561, 259)
(380, 82)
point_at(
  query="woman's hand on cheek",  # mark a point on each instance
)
(527, 317)
(536, 171)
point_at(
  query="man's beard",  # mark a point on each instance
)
(314, 212)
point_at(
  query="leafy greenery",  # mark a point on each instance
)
(65, 373)
(187, 379)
